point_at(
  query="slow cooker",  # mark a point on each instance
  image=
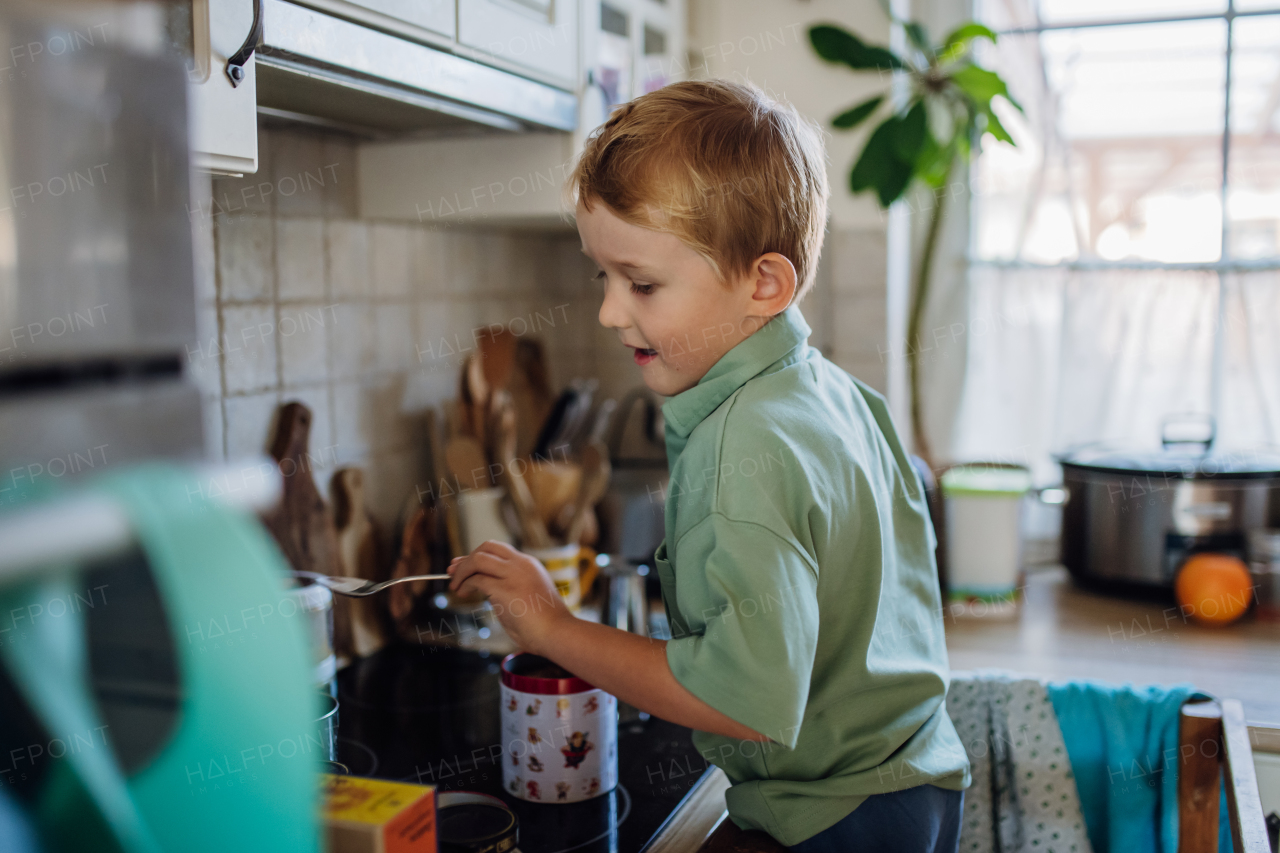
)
(1131, 518)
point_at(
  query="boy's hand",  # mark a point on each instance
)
(523, 595)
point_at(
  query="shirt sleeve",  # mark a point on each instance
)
(754, 631)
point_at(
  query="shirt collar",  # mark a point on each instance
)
(750, 357)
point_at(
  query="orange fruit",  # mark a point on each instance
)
(1214, 589)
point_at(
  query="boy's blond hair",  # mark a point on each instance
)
(725, 168)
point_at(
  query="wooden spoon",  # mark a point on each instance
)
(498, 359)
(533, 530)
(595, 480)
(467, 463)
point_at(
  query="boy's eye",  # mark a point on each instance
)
(598, 275)
(641, 289)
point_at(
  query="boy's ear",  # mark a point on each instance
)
(774, 279)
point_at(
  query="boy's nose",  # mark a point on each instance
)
(612, 315)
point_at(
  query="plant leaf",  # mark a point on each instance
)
(836, 44)
(857, 115)
(995, 128)
(982, 85)
(879, 168)
(934, 163)
(966, 33)
(919, 37)
(909, 134)
(979, 84)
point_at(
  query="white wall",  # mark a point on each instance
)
(767, 43)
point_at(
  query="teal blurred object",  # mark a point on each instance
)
(240, 771)
(1127, 733)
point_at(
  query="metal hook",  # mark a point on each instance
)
(238, 60)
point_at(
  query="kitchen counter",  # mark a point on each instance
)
(429, 715)
(1063, 632)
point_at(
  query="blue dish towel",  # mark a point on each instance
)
(1120, 739)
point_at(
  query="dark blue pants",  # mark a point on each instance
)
(925, 819)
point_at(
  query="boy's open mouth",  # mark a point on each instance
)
(644, 356)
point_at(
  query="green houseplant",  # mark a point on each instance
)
(938, 124)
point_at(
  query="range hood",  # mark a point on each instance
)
(317, 67)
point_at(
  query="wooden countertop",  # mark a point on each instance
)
(1063, 632)
(1058, 632)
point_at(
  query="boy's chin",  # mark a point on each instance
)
(664, 382)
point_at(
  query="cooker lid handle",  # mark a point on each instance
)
(1186, 428)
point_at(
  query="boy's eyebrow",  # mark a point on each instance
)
(628, 264)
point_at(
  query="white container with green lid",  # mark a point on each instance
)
(984, 517)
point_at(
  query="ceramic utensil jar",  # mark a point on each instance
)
(560, 734)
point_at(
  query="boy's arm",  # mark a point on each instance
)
(635, 670)
(629, 666)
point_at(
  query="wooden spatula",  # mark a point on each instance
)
(595, 480)
(534, 531)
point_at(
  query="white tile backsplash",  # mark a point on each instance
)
(247, 421)
(245, 259)
(353, 340)
(392, 256)
(348, 253)
(304, 342)
(368, 322)
(300, 259)
(249, 350)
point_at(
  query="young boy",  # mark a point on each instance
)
(797, 568)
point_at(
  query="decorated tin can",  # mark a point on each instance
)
(560, 734)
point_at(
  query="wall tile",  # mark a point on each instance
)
(304, 340)
(249, 357)
(395, 337)
(300, 259)
(348, 248)
(245, 254)
(352, 422)
(392, 256)
(352, 340)
(430, 271)
(463, 259)
(248, 424)
(300, 173)
(339, 156)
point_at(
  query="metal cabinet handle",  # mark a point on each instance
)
(235, 65)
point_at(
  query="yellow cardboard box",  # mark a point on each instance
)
(376, 816)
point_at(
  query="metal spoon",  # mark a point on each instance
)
(359, 587)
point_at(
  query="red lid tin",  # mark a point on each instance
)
(517, 673)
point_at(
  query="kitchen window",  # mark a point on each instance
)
(1125, 256)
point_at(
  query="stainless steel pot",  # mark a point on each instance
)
(1132, 518)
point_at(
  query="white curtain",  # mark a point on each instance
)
(1060, 357)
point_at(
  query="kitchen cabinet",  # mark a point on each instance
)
(539, 36)
(629, 47)
(423, 20)
(224, 120)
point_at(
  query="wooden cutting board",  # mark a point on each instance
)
(360, 555)
(418, 546)
(300, 523)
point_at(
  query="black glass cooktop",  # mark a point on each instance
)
(430, 716)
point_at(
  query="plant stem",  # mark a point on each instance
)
(919, 299)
